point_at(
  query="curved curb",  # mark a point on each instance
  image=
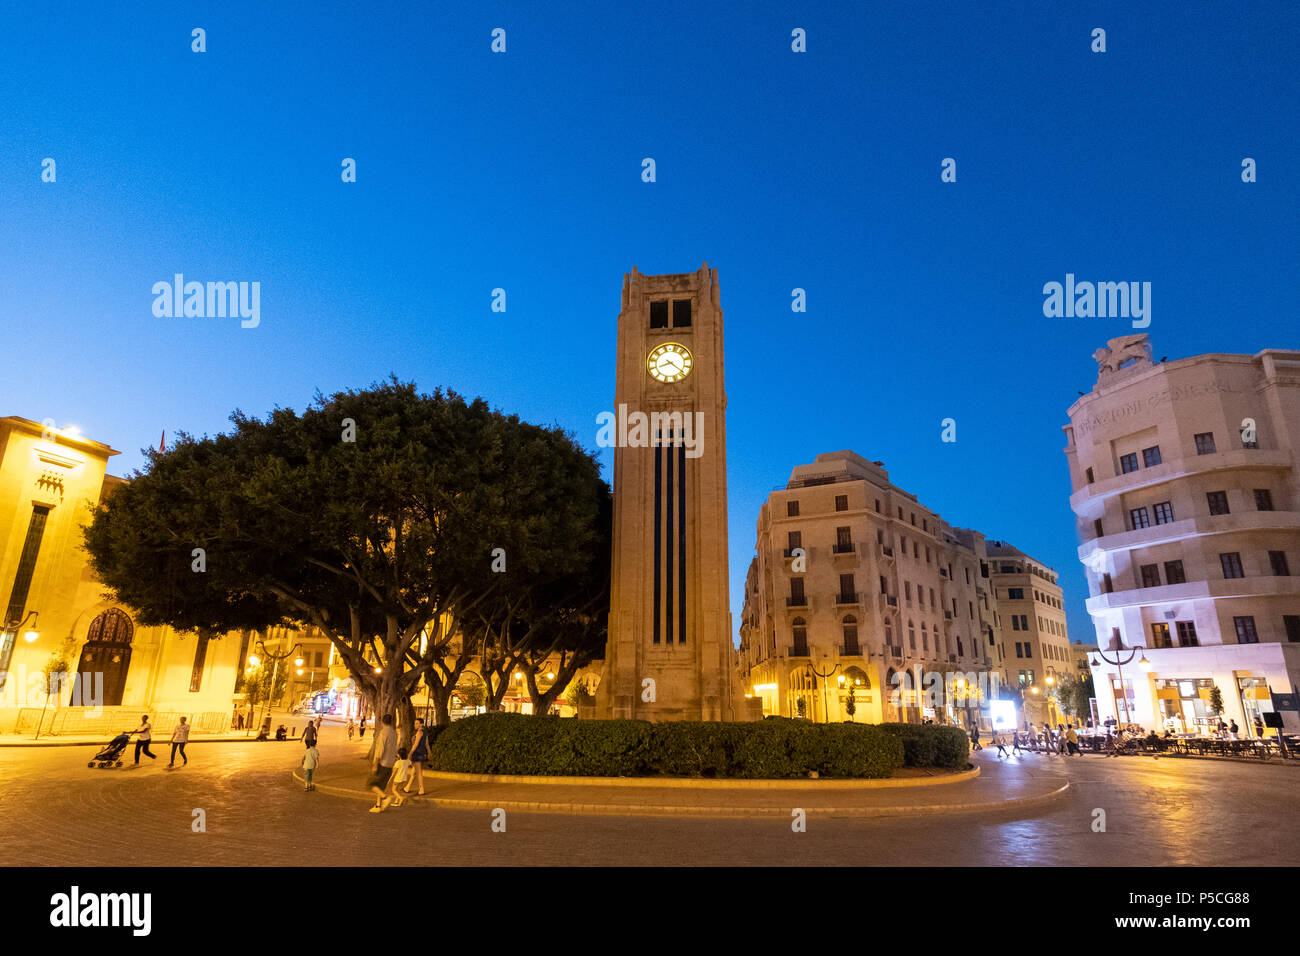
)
(660, 810)
(708, 783)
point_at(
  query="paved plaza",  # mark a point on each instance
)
(1165, 812)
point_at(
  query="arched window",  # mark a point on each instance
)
(111, 627)
(925, 637)
(857, 677)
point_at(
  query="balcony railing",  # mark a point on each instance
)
(843, 549)
(886, 550)
(849, 598)
(797, 650)
(800, 601)
(851, 650)
(789, 552)
(891, 600)
(947, 615)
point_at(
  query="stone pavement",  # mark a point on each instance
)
(1170, 813)
(969, 792)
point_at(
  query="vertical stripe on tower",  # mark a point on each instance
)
(681, 540)
(658, 512)
(668, 541)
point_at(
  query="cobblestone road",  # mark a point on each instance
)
(1158, 813)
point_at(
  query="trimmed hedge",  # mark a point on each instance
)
(773, 748)
(932, 745)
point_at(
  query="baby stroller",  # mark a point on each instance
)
(111, 755)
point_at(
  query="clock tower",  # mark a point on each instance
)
(669, 652)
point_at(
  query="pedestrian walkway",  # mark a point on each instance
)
(294, 723)
(994, 787)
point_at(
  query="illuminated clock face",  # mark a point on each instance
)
(670, 362)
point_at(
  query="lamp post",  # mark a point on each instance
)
(30, 636)
(1116, 647)
(822, 678)
(275, 670)
(9, 633)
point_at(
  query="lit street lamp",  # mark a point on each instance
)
(275, 670)
(1116, 647)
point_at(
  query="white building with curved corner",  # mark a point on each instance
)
(1187, 500)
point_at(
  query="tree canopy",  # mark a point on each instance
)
(371, 516)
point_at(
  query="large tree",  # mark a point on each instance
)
(374, 516)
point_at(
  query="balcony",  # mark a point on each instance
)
(1089, 500)
(797, 650)
(1258, 585)
(851, 650)
(843, 552)
(887, 551)
(800, 601)
(789, 552)
(1188, 527)
(947, 615)
(943, 573)
(890, 600)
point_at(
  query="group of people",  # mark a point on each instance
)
(394, 771)
(395, 766)
(144, 737)
(1063, 740)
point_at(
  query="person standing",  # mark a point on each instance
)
(309, 735)
(310, 761)
(419, 754)
(1072, 742)
(1259, 726)
(975, 737)
(143, 735)
(1060, 739)
(1234, 729)
(180, 737)
(385, 758)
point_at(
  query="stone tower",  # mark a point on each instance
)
(669, 651)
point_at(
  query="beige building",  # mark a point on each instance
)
(1035, 646)
(857, 589)
(50, 480)
(1185, 489)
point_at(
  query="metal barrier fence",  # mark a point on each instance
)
(110, 721)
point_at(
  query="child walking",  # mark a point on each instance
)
(310, 761)
(401, 774)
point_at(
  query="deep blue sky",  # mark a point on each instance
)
(817, 170)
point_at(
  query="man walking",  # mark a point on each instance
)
(144, 734)
(385, 757)
(309, 735)
(180, 737)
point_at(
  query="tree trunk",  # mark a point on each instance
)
(441, 705)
